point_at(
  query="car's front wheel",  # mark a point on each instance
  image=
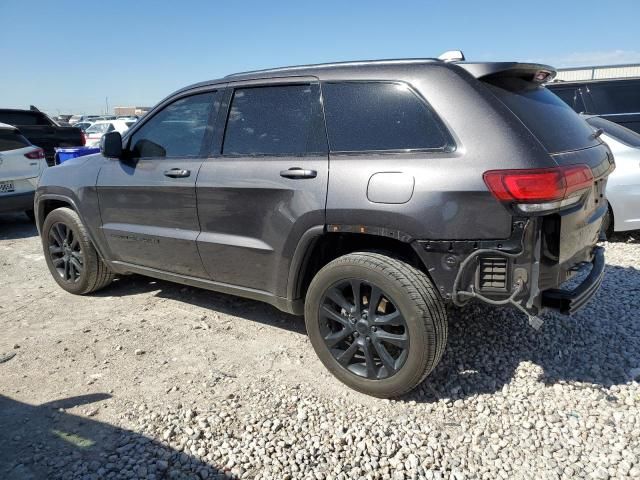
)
(71, 257)
(376, 323)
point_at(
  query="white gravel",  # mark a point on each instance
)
(507, 402)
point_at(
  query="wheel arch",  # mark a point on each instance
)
(48, 202)
(319, 247)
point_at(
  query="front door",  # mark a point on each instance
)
(265, 185)
(148, 199)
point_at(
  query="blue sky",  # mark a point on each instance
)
(68, 55)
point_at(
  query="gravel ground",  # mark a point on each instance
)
(151, 380)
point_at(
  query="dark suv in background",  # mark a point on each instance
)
(616, 100)
(366, 195)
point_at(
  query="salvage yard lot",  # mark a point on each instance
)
(148, 379)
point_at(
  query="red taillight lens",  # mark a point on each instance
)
(84, 138)
(578, 177)
(35, 155)
(538, 185)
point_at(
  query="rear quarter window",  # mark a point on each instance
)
(374, 116)
(556, 125)
(12, 140)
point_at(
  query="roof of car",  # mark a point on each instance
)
(328, 67)
(320, 70)
(342, 70)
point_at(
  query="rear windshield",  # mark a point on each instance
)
(24, 118)
(552, 121)
(12, 140)
(618, 132)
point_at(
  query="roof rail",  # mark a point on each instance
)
(452, 56)
(334, 64)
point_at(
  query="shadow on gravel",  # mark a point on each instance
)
(15, 226)
(44, 442)
(632, 236)
(599, 345)
(216, 302)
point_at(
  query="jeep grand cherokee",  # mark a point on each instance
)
(366, 195)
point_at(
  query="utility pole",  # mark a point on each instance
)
(106, 101)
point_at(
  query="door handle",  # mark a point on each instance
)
(296, 172)
(177, 173)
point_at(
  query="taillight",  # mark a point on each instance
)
(84, 138)
(35, 155)
(540, 189)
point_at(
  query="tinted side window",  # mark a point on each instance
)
(621, 96)
(276, 120)
(12, 140)
(379, 116)
(178, 129)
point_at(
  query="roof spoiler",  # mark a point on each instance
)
(533, 72)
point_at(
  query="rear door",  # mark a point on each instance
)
(265, 183)
(148, 200)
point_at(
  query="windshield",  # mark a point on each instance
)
(618, 132)
(552, 121)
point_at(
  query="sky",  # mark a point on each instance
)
(67, 56)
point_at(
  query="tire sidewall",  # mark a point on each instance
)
(71, 220)
(413, 316)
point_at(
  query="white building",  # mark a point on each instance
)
(578, 74)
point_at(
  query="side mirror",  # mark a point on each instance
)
(111, 145)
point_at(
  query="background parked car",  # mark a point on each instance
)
(623, 187)
(94, 132)
(20, 167)
(82, 118)
(83, 125)
(615, 100)
(42, 131)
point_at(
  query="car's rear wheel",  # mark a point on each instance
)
(376, 323)
(72, 259)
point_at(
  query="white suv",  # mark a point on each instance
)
(21, 165)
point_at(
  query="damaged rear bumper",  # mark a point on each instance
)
(569, 301)
(528, 278)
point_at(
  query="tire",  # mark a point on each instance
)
(412, 308)
(31, 214)
(607, 223)
(65, 237)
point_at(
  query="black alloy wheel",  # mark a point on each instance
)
(376, 322)
(363, 329)
(65, 252)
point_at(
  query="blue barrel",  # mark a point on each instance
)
(64, 154)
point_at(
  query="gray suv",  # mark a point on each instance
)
(367, 196)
